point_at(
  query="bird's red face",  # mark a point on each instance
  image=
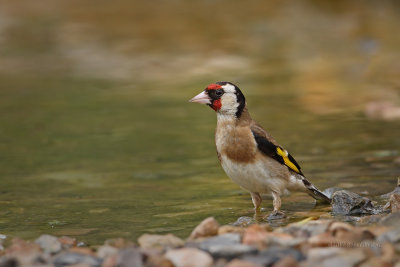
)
(223, 97)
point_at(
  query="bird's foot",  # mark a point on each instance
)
(276, 215)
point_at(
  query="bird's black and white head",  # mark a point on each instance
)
(223, 97)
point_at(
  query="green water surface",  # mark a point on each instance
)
(98, 140)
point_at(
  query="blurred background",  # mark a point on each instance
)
(97, 139)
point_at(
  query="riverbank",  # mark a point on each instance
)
(310, 242)
(372, 239)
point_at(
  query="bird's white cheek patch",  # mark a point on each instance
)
(229, 104)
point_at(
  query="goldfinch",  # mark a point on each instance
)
(248, 154)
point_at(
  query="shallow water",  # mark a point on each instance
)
(97, 138)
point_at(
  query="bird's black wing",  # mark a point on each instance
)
(274, 151)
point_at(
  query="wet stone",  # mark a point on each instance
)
(70, 258)
(273, 255)
(331, 190)
(208, 227)
(275, 216)
(244, 221)
(49, 244)
(345, 202)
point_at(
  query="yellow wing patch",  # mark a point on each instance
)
(284, 154)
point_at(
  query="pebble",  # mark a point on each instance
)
(129, 257)
(67, 241)
(391, 220)
(49, 244)
(24, 252)
(333, 256)
(273, 255)
(82, 250)
(244, 221)
(286, 262)
(242, 263)
(224, 229)
(225, 246)
(322, 240)
(160, 241)
(306, 230)
(208, 227)
(189, 257)
(283, 239)
(106, 251)
(70, 258)
(370, 219)
(394, 201)
(392, 236)
(305, 243)
(255, 235)
(346, 232)
(118, 243)
(157, 261)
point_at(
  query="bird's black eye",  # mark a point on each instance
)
(219, 92)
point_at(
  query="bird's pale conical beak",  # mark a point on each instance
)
(201, 98)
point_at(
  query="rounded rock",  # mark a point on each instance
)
(208, 227)
(49, 244)
(189, 257)
(160, 241)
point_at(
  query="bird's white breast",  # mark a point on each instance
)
(256, 176)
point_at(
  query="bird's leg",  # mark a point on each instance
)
(276, 201)
(256, 198)
(276, 213)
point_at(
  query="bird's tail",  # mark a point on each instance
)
(313, 191)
